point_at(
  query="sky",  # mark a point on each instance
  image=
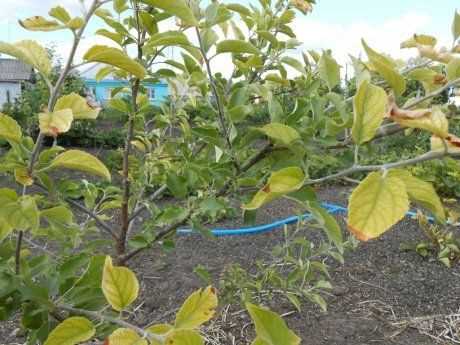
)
(334, 24)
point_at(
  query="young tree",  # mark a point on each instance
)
(200, 161)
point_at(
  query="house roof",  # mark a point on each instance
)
(14, 70)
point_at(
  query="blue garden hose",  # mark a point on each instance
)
(259, 229)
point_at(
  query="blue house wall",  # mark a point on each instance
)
(101, 90)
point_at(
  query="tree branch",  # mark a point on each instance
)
(367, 168)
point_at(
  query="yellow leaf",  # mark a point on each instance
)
(119, 285)
(115, 57)
(55, 123)
(283, 134)
(80, 107)
(82, 161)
(415, 40)
(9, 129)
(71, 331)
(29, 52)
(421, 192)
(160, 329)
(38, 23)
(386, 68)
(125, 336)
(433, 121)
(198, 308)
(184, 337)
(281, 182)
(369, 109)
(60, 13)
(377, 204)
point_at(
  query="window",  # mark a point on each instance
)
(151, 92)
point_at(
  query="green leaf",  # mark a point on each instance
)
(159, 329)
(29, 52)
(82, 161)
(80, 107)
(120, 6)
(178, 8)
(55, 123)
(236, 47)
(329, 70)
(197, 309)
(184, 337)
(177, 185)
(125, 336)
(369, 109)
(386, 68)
(281, 182)
(115, 57)
(328, 224)
(453, 69)
(378, 203)
(270, 327)
(119, 285)
(239, 113)
(10, 129)
(38, 23)
(283, 134)
(456, 26)
(169, 38)
(422, 192)
(71, 331)
(58, 214)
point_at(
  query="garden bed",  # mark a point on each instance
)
(381, 295)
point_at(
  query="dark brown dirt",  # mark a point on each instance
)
(377, 286)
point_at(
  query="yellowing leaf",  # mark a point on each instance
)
(421, 192)
(119, 285)
(55, 123)
(377, 204)
(270, 327)
(160, 329)
(184, 337)
(415, 40)
(236, 47)
(178, 8)
(281, 133)
(71, 331)
(82, 161)
(125, 336)
(115, 57)
(386, 68)
(281, 182)
(369, 109)
(329, 70)
(453, 69)
(430, 79)
(452, 142)
(434, 121)
(79, 106)
(38, 23)
(22, 176)
(29, 52)
(60, 13)
(9, 129)
(198, 308)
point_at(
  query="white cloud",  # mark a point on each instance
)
(346, 39)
